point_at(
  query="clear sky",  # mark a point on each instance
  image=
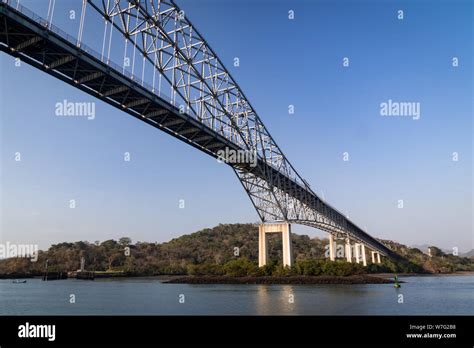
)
(282, 62)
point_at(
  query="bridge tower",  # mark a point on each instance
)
(281, 227)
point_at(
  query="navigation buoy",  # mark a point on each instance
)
(397, 284)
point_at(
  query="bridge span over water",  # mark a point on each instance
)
(173, 80)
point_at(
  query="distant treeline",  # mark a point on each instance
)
(230, 249)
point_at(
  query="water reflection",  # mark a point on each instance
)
(263, 301)
(276, 300)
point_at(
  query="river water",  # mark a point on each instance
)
(443, 295)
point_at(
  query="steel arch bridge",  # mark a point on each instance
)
(173, 80)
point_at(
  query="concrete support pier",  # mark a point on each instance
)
(262, 246)
(285, 229)
(332, 252)
(364, 260)
(348, 250)
(357, 252)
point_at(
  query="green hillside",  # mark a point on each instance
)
(230, 249)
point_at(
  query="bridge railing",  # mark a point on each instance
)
(119, 69)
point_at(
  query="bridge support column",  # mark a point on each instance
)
(357, 252)
(364, 260)
(373, 256)
(262, 246)
(378, 257)
(285, 230)
(287, 250)
(348, 250)
(332, 254)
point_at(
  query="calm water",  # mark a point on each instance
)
(421, 295)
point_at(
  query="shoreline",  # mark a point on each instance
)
(387, 275)
(175, 278)
(290, 280)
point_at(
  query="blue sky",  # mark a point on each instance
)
(282, 62)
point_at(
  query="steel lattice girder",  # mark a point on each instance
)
(216, 108)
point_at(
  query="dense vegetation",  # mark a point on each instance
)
(230, 250)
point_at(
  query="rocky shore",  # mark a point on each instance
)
(354, 279)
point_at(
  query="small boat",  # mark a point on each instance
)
(19, 281)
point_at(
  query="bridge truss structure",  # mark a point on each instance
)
(173, 80)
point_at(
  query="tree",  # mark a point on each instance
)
(240, 267)
(125, 241)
